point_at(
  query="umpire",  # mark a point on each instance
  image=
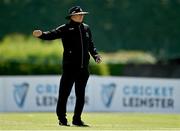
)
(77, 42)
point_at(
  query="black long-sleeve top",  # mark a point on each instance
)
(77, 42)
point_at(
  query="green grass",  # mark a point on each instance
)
(97, 121)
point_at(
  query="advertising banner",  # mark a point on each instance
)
(111, 94)
(33, 93)
(137, 94)
(1, 96)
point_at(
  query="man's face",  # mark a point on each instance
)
(77, 18)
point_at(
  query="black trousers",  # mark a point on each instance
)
(72, 75)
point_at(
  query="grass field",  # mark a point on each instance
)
(97, 121)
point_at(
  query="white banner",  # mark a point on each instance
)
(137, 94)
(1, 96)
(33, 93)
(124, 94)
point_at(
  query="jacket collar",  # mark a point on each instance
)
(73, 23)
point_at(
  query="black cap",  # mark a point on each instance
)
(76, 10)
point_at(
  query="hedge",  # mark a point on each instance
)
(20, 55)
(47, 68)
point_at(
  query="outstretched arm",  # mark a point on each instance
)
(48, 35)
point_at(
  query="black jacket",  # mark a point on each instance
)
(77, 42)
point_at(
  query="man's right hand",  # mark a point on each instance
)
(37, 33)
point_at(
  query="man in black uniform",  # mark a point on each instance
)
(77, 42)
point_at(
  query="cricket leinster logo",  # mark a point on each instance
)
(20, 93)
(108, 94)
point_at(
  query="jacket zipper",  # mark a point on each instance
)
(82, 53)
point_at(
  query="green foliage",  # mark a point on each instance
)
(20, 55)
(148, 25)
(106, 69)
(27, 55)
(101, 69)
(116, 69)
